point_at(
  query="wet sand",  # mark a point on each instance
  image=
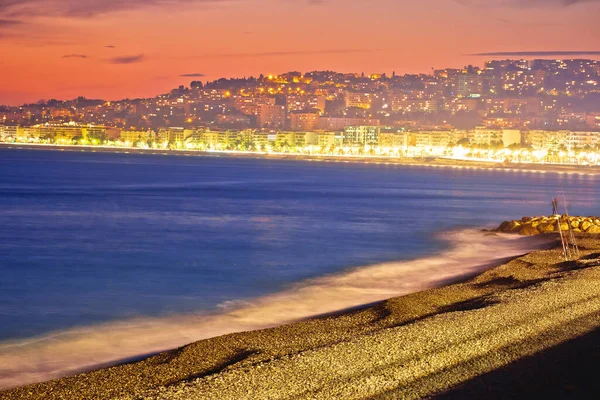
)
(458, 340)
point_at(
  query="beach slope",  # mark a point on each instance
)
(439, 341)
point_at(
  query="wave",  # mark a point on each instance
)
(63, 353)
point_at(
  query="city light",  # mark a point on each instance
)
(511, 115)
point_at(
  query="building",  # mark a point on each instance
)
(393, 140)
(133, 136)
(112, 133)
(485, 137)
(511, 137)
(260, 139)
(557, 140)
(285, 140)
(92, 132)
(433, 139)
(210, 139)
(250, 105)
(340, 123)
(402, 103)
(309, 138)
(302, 102)
(361, 135)
(581, 140)
(544, 140)
(593, 121)
(327, 139)
(271, 115)
(462, 104)
(502, 122)
(358, 100)
(174, 135)
(238, 120)
(26, 134)
(9, 132)
(469, 85)
(304, 120)
(55, 133)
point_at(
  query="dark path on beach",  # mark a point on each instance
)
(569, 370)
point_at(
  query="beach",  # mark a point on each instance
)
(320, 285)
(418, 345)
(68, 352)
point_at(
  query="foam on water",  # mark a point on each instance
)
(62, 353)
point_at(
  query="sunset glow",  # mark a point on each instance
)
(108, 49)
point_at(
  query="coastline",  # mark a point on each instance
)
(377, 160)
(467, 253)
(317, 357)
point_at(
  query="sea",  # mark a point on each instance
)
(107, 256)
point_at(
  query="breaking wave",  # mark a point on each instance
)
(74, 350)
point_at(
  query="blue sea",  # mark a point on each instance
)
(101, 239)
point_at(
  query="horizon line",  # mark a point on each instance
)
(538, 53)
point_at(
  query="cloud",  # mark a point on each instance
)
(110, 46)
(9, 22)
(127, 59)
(75, 56)
(27, 32)
(195, 75)
(522, 3)
(87, 8)
(539, 53)
(90, 8)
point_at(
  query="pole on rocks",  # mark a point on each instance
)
(571, 232)
(563, 241)
(554, 206)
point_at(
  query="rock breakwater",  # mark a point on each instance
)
(529, 226)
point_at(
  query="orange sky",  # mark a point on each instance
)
(58, 48)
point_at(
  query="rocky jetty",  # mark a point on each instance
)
(529, 226)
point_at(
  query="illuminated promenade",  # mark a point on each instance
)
(504, 160)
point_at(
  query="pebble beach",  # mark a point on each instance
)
(419, 345)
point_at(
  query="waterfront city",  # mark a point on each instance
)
(308, 199)
(541, 111)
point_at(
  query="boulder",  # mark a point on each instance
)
(575, 224)
(542, 224)
(585, 225)
(593, 229)
(528, 230)
(503, 226)
(513, 226)
(546, 227)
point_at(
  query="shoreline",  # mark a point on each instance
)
(210, 358)
(76, 350)
(435, 162)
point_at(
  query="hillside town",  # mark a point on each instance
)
(515, 110)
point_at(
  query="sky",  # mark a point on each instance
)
(114, 49)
